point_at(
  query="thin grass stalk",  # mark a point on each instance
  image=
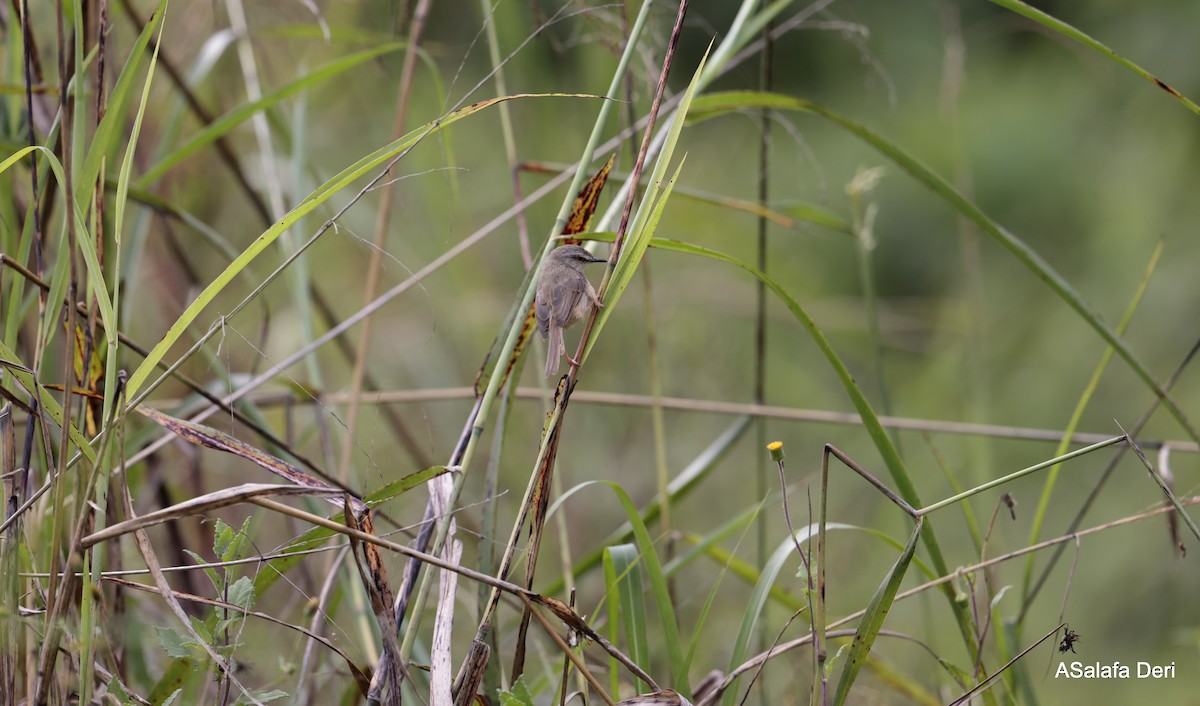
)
(33, 215)
(1019, 474)
(275, 398)
(379, 239)
(382, 218)
(818, 600)
(975, 350)
(506, 127)
(817, 694)
(1103, 479)
(527, 298)
(1039, 515)
(766, 81)
(57, 592)
(862, 220)
(262, 131)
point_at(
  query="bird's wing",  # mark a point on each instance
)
(566, 298)
(541, 312)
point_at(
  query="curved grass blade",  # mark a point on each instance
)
(715, 104)
(315, 199)
(1043, 506)
(879, 436)
(87, 248)
(631, 258)
(1086, 40)
(700, 468)
(237, 116)
(758, 599)
(658, 584)
(872, 620)
(626, 606)
(114, 117)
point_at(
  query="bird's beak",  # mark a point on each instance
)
(598, 259)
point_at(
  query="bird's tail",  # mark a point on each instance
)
(554, 350)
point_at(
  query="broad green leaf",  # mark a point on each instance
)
(241, 593)
(173, 643)
(658, 584)
(518, 695)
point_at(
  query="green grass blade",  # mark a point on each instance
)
(631, 257)
(1043, 507)
(658, 586)
(10, 362)
(1070, 32)
(221, 126)
(758, 600)
(114, 119)
(86, 246)
(626, 605)
(872, 620)
(715, 104)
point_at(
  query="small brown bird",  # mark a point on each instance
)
(564, 296)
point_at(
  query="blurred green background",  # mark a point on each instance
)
(1089, 164)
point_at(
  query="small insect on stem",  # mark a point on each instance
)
(1070, 637)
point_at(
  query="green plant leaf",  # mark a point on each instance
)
(115, 118)
(173, 643)
(518, 695)
(631, 257)
(658, 583)
(1070, 32)
(241, 593)
(626, 604)
(873, 617)
(222, 125)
